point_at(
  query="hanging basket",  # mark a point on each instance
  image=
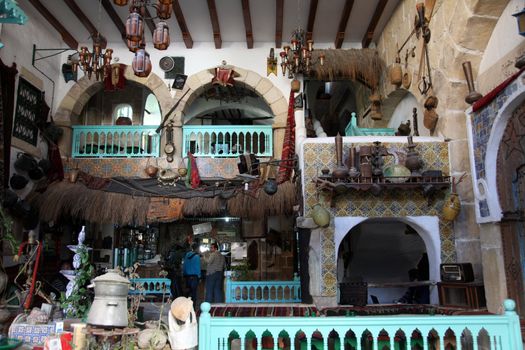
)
(430, 119)
(396, 74)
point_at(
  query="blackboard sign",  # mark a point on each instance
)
(28, 108)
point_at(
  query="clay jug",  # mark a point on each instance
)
(320, 215)
(396, 74)
(151, 170)
(451, 207)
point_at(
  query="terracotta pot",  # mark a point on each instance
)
(452, 207)
(151, 170)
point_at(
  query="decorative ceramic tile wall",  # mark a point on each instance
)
(390, 203)
(482, 122)
(134, 167)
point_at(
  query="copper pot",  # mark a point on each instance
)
(151, 170)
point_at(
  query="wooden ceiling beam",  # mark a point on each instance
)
(81, 16)
(149, 20)
(186, 36)
(66, 36)
(215, 24)
(369, 35)
(115, 18)
(343, 22)
(311, 19)
(247, 22)
(279, 17)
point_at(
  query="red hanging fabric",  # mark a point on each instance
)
(195, 179)
(285, 169)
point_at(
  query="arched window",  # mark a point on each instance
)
(151, 111)
(123, 110)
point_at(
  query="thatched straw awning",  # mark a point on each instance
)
(141, 207)
(362, 65)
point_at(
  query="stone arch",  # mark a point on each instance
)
(426, 227)
(496, 135)
(274, 98)
(78, 96)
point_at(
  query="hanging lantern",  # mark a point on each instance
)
(108, 55)
(164, 9)
(161, 36)
(141, 63)
(120, 2)
(133, 46)
(134, 27)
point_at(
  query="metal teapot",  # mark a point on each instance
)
(110, 307)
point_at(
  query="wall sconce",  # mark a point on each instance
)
(520, 16)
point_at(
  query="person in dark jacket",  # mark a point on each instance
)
(192, 271)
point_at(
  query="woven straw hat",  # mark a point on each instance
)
(181, 308)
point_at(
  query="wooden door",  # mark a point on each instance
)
(511, 190)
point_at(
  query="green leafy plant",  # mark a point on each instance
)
(242, 271)
(78, 303)
(6, 230)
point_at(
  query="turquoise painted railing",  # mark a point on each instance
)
(353, 130)
(109, 141)
(428, 332)
(263, 291)
(150, 286)
(227, 140)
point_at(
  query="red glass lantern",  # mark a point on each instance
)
(161, 36)
(141, 63)
(164, 9)
(134, 27)
(108, 55)
(120, 2)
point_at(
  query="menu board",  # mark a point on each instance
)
(28, 108)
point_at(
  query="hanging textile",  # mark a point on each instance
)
(115, 80)
(286, 167)
(7, 94)
(193, 179)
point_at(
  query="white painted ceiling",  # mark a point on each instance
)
(263, 17)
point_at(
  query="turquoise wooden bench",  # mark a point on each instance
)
(353, 130)
(263, 291)
(495, 332)
(150, 286)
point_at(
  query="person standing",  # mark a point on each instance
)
(192, 271)
(214, 275)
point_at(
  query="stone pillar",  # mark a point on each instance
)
(494, 267)
(300, 129)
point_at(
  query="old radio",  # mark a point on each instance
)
(457, 272)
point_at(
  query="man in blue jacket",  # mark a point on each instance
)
(192, 271)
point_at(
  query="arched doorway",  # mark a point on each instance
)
(389, 249)
(511, 192)
(388, 255)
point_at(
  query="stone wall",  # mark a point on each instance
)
(460, 32)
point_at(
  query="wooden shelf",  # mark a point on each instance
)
(429, 184)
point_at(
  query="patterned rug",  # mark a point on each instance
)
(263, 311)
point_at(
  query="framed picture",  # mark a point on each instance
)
(298, 102)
